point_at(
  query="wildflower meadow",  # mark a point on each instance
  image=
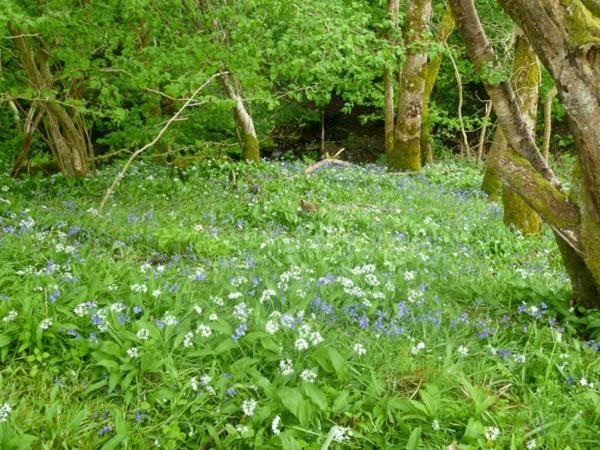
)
(198, 313)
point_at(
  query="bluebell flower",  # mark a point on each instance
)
(231, 392)
(104, 430)
(239, 331)
(54, 295)
(137, 309)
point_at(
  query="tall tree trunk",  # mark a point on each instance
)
(526, 77)
(406, 154)
(65, 129)
(565, 37)
(444, 30)
(389, 76)
(248, 139)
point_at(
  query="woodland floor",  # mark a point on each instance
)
(198, 312)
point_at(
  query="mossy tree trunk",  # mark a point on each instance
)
(565, 35)
(65, 131)
(492, 184)
(389, 76)
(526, 77)
(406, 154)
(443, 32)
(248, 139)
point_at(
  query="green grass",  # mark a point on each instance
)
(427, 322)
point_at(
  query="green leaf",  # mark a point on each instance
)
(316, 395)
(4, 340)
(413, 440)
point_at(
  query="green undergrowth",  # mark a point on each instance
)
(205, 309)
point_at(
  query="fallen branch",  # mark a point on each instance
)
(327, 162)
(121, 174)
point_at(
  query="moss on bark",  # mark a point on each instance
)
(518, 213)
(491, 184)
(250, 150)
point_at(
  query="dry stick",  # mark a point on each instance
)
(121, 174)
(488, 111)
(460, 102)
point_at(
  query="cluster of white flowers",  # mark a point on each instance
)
(239, 280)
(585, 383)
(234, 295)
(286, 367)
(414, 295)
(241, 312)
(248, 406)
(139, 288)
(359, 349)
(417, 348)
(143, 334)
(308, 376)
(409, 275)
(217, 301)
(203, 330)
(11, 316)
(156, 293)
(117, 307)
(342, 434)
(463, 351)
(169, 319)
(188, 339)
(133, 352)
(492, 433)
(62, 248)
(267, 294)
(531, 444)
(275, 424)
(45, 324)
(5, 411)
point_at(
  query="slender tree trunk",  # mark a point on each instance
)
(406, 154)
(248, 141)
(548, 121)
(389, 76)
(66, 133)
(444, 30)
(484, 127)
(565, 37)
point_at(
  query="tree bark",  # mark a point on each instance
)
(525, 79)
(406, 154)
(566, 37)
(249, 141)
(65, 130)
(389, 76)
(492, 185)
(443, 32)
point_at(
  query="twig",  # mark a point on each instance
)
(488, 111)
(121, 174)
(460, 102)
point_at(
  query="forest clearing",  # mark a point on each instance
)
(299, 225)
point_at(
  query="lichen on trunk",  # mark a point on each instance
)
(406, 154)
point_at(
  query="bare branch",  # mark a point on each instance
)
(137, 153)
